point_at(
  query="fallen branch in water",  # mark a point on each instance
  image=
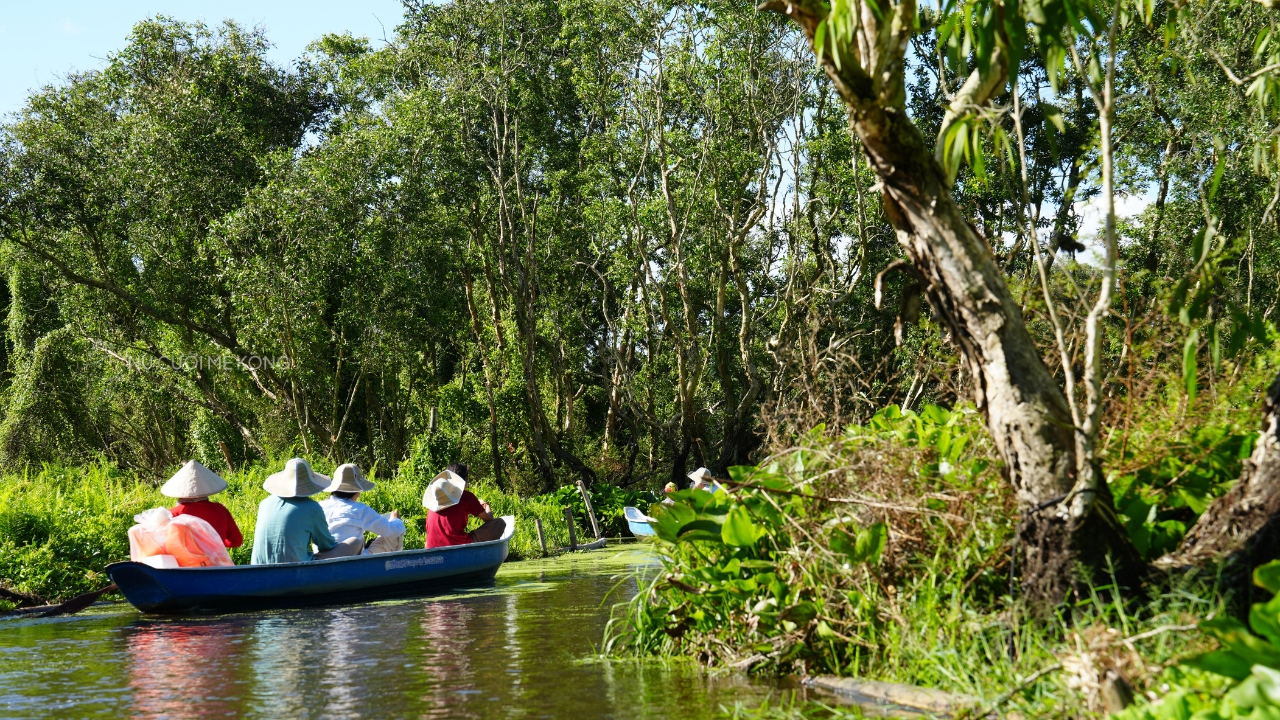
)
(21, 599)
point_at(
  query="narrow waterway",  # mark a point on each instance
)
(523, 648)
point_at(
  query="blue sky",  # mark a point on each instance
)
(42, 41)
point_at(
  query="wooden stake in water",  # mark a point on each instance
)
(573, 535)
(591, 513)
(542, 540)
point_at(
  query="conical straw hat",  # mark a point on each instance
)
(193, 480)
(348, 478)
(297, 479)
(445, 491)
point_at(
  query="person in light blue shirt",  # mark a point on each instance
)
(289, 521)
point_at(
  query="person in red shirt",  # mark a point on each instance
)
(450, 505)
(192, 486)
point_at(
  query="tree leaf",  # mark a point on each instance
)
(1189, 363)
(1268, 576)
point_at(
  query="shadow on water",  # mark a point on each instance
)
(511, 650)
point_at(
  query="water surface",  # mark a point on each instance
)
(524, 648)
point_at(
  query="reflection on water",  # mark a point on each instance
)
(512, 650)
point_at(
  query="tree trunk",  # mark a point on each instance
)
(1062, 528)
(1243, 526)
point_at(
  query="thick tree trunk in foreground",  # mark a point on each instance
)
(1243, 526)
(1065, 526)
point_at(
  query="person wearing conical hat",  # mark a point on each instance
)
(450, 505)
(289, 521)
(192, 486)
(349, 519)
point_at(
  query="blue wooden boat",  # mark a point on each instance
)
(638, 522)
(319, 582)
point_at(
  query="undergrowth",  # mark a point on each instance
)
(885, 553)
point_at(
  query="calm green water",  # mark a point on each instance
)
(521, 649)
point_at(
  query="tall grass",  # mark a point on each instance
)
(60, 526)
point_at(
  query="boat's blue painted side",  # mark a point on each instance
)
(341, 580)
(638, 522)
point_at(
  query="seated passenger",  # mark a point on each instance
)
(348, 518)
(289, 521)
(192, 485)
(450, 504)
(666, 493)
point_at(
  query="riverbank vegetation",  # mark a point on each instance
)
(972, 306)
(886, 552)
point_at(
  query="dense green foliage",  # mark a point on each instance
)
(655, 252)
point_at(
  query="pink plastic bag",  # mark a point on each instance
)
(191, 540)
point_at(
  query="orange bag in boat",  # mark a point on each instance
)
(195, 543)
(192, 541)
(150, 535)
(144, 543)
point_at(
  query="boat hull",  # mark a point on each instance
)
(320, 582)
(638, 522)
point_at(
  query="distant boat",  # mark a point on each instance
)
(319, 582)
(640, 524)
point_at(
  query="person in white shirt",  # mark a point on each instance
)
(350, 519)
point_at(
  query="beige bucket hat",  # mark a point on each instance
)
(297, 479)
(445, 491)
(192, 481)
(700, 477)
(348, 478)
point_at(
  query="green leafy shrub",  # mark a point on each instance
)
(790, 568)
(608, 501)
(1159, 502)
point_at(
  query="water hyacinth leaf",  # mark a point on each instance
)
(1268, 576)
(1221, 662)
(738, 529)
(1259, 692)
(1264, 618)
(671, 519)
(1236, 640)
(700, 530)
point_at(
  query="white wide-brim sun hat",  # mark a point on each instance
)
(192, 481)
(348, 478)
(444, 492)
(297, 479)
(700, 476)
